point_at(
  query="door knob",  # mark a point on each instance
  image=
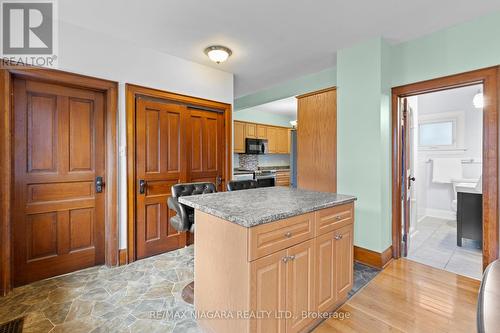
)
(99, 184)
(142, 186)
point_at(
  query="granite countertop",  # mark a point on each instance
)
(253, 207)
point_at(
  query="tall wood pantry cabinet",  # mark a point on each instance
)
(317, 141)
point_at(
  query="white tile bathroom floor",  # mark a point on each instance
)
(434, 243)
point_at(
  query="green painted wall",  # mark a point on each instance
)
(362, 89)
(311, 82)
(262, 117)
(468, 46)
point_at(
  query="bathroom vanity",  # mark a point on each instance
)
(271, 259)
(469, 214)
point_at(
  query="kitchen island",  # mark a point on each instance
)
(271, 259)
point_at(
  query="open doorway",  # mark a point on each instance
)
(445, 172)
(445, 187)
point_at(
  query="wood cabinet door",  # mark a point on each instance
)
(268, 292)
(261, 132)
(251, 130)
(282, 134)
(57, 216)
(239, 137)
(272, 140)
(160, 163)
(344, 259)
(206, 142)
(326, 265)
(300, 296)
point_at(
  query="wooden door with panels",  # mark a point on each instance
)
(59, 165)
(206, 147)
(160, 163)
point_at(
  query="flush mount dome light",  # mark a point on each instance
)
(478, 100)
(218, 53)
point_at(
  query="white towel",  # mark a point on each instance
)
(444, 170)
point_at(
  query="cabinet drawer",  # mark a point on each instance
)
(278, 235)
(332, 218)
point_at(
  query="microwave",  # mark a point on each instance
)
(255, 146)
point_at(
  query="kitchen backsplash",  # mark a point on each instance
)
(252, 162)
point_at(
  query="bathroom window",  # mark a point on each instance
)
(437, 134)
(442, 131)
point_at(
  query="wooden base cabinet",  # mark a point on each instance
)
(283, 273)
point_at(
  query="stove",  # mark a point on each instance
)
(265, 178)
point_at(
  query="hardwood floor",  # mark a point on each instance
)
(410, 297)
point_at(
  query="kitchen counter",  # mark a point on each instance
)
(254, 207)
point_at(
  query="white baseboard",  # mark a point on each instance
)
(441, 214)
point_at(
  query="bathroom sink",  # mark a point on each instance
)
(468, 186)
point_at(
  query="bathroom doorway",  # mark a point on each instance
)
(445, 164)
(445, 154)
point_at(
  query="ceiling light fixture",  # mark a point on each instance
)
(478, 100)
(218, 53)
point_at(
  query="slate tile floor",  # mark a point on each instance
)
(119, 299)
(434, 243)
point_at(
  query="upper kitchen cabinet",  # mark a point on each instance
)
(317, 141)
(278, 138)
(272, 140)
(261, 132)
(239, 137)
(282, 140)
(251, 130)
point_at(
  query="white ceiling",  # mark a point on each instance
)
(272, 40)
(283, 107)
(457, 99)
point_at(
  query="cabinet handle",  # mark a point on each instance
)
(338, 237)
(291, 257)
(288, 234)
(285, 259)
(338, 217)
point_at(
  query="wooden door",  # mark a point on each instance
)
(272, 140)
(239, 137)
(326, 265)
(407, 178)
(300, 286)
(206, 148)
(160, 163)
(344, 258)
(58, 216)
(268, 292)
(251, 130)
(261, 132)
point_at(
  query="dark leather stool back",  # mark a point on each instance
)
(236, 185)
(184, 220)
(182, 190)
